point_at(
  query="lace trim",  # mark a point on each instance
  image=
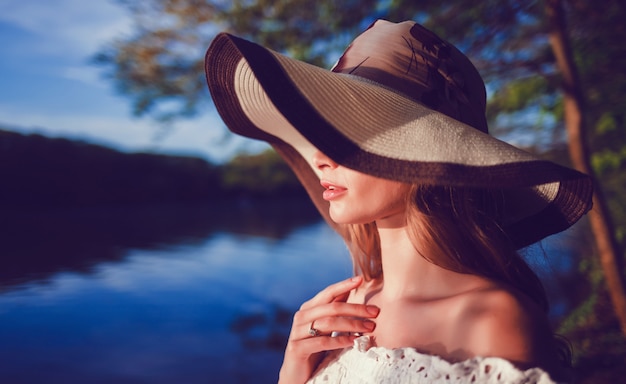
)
(363, 364)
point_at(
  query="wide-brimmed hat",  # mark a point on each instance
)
(401, 104)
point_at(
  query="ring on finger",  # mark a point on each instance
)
(312, 330)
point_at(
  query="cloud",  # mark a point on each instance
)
(85, 74)
(67, 96)
(63, 34)
(74, 28)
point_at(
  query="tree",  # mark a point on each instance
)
(509, 41)
(575, 122)
(160, 66)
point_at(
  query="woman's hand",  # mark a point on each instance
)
(313, 324)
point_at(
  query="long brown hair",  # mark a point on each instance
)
(459, 229)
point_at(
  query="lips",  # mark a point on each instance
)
(332, 191)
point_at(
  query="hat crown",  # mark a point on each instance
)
(414, 61)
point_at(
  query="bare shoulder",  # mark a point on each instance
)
(497, 321)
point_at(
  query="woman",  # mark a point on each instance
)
(392, 146)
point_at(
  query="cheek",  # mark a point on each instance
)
(369, 199)
(391, 200)
(384, 200)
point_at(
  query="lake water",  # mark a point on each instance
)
(169, 294)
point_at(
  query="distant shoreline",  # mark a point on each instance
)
(40, 172)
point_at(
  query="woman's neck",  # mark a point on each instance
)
(408, 275)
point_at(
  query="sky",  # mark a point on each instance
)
(50, 86)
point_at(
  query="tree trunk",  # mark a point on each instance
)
(604, 233)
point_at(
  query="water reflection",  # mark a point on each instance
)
(37, 244)
(163, 301)
(176, 294)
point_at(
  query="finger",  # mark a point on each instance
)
(335, 316)
(328, 325)
(343, 297)
(333, 292)
(335, 309)
(312, 345)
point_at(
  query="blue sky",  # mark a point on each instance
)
(49, 86)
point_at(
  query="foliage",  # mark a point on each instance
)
(263, 174)
(160, 66)
(506, 39)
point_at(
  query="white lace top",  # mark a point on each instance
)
(364, 364)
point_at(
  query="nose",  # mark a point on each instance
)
(321, 161)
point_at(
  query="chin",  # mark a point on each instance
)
(339, 219)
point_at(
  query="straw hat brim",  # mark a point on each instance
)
(362, 125)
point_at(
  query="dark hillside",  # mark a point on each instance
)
(36, 171)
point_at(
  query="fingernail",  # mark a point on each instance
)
(355, 278)
(372, 310)
(370, 325)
